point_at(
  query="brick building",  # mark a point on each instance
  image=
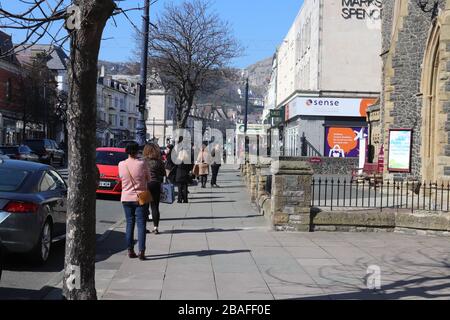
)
(10, 93)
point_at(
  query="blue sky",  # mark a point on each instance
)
(259, 25)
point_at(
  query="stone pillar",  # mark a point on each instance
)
(291, 195)
(262, 171)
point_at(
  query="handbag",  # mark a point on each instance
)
(143, 197)
(167, 193)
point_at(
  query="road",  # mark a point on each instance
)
(20, 280)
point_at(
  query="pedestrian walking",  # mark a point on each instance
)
(182, 175)
(134, 174)
(216, 163)
(203, 165)
(152, 157)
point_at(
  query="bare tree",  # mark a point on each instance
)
(84, 22)
(188, 46)
(40, 86)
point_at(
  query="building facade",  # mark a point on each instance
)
(411, 123)
(328, 73)
(117, 113)
(11, 104)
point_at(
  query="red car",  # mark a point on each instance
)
(107, 161)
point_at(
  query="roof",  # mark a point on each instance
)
(6, 45)
(23, 165)
(58, 58)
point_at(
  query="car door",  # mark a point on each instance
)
(54, 201)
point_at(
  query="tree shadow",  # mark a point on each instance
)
(417, 279)
(209, 230)
(212, 218)
(212, 201)
(202, 253)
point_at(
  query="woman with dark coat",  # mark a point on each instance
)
(182, 175)
(170, 165)
(152, 157)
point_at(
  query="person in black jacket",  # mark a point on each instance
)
(182, 175)
(170, 165)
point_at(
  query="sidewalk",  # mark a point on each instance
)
(219, 247)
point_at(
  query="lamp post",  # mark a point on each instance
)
(246, 120)
(141, 129)
(434, 9)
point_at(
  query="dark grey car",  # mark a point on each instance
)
(33, 200)
(20, 153)
(47, 150)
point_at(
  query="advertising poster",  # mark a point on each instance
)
(344, 142)
(400, 142)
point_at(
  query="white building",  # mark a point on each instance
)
(328, 71)
(160, 111)
(117, 112)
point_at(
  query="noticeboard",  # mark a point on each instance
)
(400, 150)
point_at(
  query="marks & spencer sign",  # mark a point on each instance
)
(332, 107)
(362, 9)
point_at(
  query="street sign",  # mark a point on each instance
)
(276, 113)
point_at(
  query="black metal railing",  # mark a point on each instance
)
(307, 149)
(415, 196)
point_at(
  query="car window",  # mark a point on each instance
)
(35, 144)
(12, 179)
(108, 158)
(24, 149)
(60, 184)
(47, 183)
(54, 145)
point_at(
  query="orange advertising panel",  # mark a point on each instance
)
(342, 142)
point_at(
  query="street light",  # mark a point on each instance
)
(434, 9)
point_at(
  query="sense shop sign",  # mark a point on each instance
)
(362, 9)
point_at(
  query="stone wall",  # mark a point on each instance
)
(405, 33)
(331, 166)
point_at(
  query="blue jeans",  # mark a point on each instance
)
(135, 213)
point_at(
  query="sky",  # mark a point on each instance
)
(258, 25)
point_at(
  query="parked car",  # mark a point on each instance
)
(47, 150)
(107, 160)
(20, 153)
(1, 259)
(3, 156)
(33, 204)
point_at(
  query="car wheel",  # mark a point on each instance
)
(41, 252)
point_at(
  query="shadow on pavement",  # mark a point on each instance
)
(20, 262)
(20, 294)
(210, 230)
(419, 288)
(202, 253)
(212, 201)
(108, 197)
(211, 218)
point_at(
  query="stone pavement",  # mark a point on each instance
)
(219, 247)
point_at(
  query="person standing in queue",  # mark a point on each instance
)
(152, 156)
(203, 164)
(182, 175)
(216, 163)
(135, 177)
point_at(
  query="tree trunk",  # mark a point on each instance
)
(79, 275)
